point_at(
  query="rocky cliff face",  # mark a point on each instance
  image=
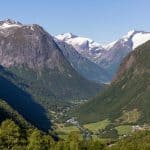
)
(28, 45)
(32, 54)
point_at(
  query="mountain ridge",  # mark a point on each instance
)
(84, 66)
(33, 64)
(109, 56)
(128, 93)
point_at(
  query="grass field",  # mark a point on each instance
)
(124, 129)
(130, 116)
(63, 132)
(67, 130)
(94, 127)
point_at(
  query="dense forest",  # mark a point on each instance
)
(13, 137)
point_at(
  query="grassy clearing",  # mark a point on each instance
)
(124, 129)
(63, 132)
(67, 130)
(130, 116)
(94, 127)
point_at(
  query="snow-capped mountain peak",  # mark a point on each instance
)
(140, 38)
(137, 38)
(77, 40)
(109, 45)
(129, 34)
(125, 38)
(83, 45)
(8, 23)
(107, 56)
(65, 36)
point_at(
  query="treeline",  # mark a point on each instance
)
(12, 137)
(137, 141)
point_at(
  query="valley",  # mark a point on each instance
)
(119, 122)
(68, 92)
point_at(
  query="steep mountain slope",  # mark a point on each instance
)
(108, 56)
(85, 46)
(38, 68)
(129, 94)
(31, 50)
(84, 66)
(118, 50)
(21, 101)
(7, 112)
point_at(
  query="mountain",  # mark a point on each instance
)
(7, 112)
(35, 64)
(118, 50)
(109, 56)
(127, 99)
(85, 46)
(30, 50)
(82, 65)
(20, 101)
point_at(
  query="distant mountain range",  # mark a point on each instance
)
(83, 65)
(107, 57)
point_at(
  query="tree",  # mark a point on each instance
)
(36, 141)
(10, 135)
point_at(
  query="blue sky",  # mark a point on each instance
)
(101, 20)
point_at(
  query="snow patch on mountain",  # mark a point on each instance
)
(129, 34)
(65, 36)
(139, 39)
(107, 56)
(85, 46)
(8, 23)
(110, 45)
(81, 43)
(5, 26)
